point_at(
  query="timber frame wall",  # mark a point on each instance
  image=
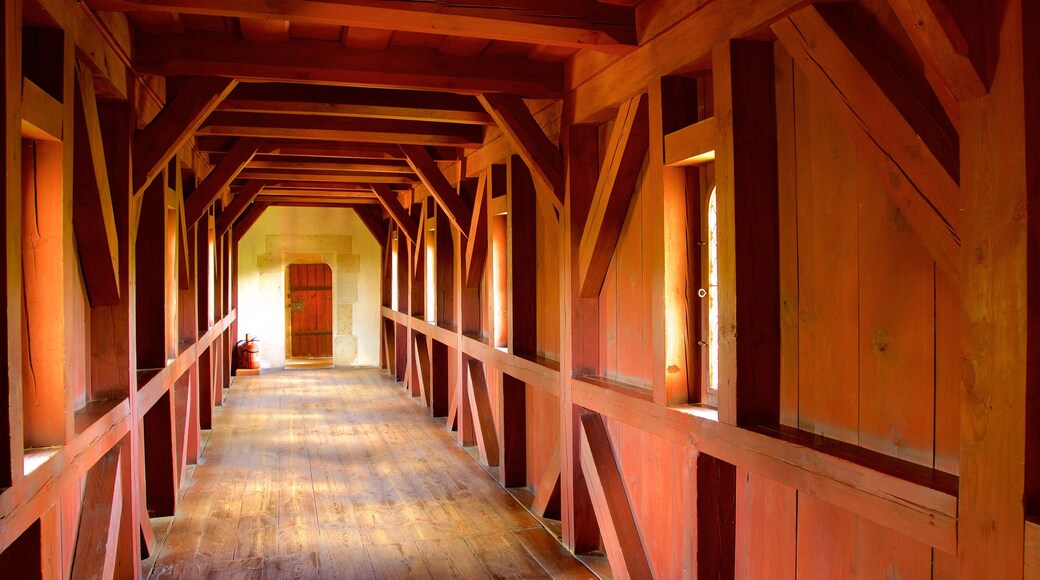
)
(606, 422)
(119, 368)
(875, 164)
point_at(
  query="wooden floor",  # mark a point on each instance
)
(335, 473)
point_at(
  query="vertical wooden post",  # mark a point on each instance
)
(580, 334)
(11, 305)
(467, 304)
(1000, 168)
(671, 102)
(114, 328)
(748, 225)
(522, 313)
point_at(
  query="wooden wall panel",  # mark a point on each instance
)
(766, 526)
(896, 333)
(543, 432)
(828, 276)
(547, 243)
(649, 464)
(834, 543)
(624, 303)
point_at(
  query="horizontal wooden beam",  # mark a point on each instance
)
(617, 523)
(691, 145)
(42, 114)
(424, 166)
(284, 184)
(281, 162)
(325, 62)
(174, 124)
(275, 199)
(393, 207)
(625, 154)
(319, 128)
(683, 48)
(356, 102)
(575, 24)
(324, 176)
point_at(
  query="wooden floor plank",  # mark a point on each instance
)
(337, 473)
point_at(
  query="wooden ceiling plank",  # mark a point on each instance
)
(238, 205)
(519, 126)
(319, 128)
(370, 216)
(624, 157)
(617, 523)
(578, 24)
(393, 207)
(356, 102)
(316, 61)
(425, 167)
(941, 42)
(93, 216)
(366, 38)
(928, 196)
(218, 180)
(264, 29)
(178, 120)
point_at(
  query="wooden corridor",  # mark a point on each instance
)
(335, 473)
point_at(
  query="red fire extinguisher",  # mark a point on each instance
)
(249, 353)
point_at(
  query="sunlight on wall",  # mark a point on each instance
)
(311, 235)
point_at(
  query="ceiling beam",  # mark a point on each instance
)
(586, 24)
(326, 62)
(316, 127)
(281, 162)
(328, 149)
(315, 185)
(347, 176)
(316, 201)
(356, 102)
(438, 186)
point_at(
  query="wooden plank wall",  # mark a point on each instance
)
(116, 370)
(842, 453)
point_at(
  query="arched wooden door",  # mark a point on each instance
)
(310, 307)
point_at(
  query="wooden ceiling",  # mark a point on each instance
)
(328, 90)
